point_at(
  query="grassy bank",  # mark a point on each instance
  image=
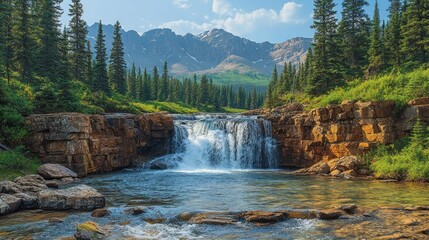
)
(15, 163)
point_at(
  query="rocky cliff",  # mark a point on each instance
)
(98, 143)
(352, 128)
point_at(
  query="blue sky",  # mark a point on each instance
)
(258, 20)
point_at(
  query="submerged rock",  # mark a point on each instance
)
(89, 231)
(9, 204)
(99, 213)
(135, 210)
(329, 214)
(212, 218)
(81, 197)
(55, 171)
(263, 216)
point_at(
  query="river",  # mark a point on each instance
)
(219, 163)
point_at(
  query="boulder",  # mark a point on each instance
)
(212, 218)
(9, 187)
(81, 197)
(27, 201)
(99, 213)
(135, 210)
(329, 214)
(318, 168)
(31, 183)
(263, 216)
(9, 204)
(345, 163)
(349, 208)
(55, 171)
(89, 231)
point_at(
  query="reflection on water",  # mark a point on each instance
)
(168, 193)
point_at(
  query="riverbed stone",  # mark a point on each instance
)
(349, 208)
(81, 197)
(212, 218)
(263, 216)
(135, 210)
(31, 183)
(27, 201)
(99, 213)
(9, 187)
(55, 171)
(329, 214)
(9, 204)
(89, 231)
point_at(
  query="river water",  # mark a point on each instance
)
(196, 180)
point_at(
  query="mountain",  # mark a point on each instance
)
(215, 52)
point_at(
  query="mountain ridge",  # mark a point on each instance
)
(211, 52)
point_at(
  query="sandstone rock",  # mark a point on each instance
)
(349, 209)
(89, 231)
(213, 218)
(263, 216)
(52, 184)
(9, 204)
(345, 163)
(9, 187)
(55, 171)
(329, 214)
(99, 213)
(348, 174)
(135, 210)
(89, 144)
(335, 173)
(300, 214)
(419, 101)
(31, 183)
(27, 201)
(81, 197)
(320, 168)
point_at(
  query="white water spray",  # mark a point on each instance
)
(220, 142)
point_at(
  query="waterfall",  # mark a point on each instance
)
(219, 142)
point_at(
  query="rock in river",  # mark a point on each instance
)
(81, 197)
(9, 204)
(55, 171)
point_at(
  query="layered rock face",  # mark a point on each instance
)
(90, 144)
(352, 128)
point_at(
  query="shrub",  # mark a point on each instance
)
(14, 163)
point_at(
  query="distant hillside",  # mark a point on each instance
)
(216, 53)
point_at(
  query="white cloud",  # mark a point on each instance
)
(222, 7)
(240, 22)
(290, 13)
(185, 26)
(181, 3)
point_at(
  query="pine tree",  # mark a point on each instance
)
(146, 93)
(139, 85)
(155, 86)
(271, 93)
(376, 47)
(195, 92)
(163, 88)
(354, 31)
(88, 74)
(415, 42)
(66, 98)
(117, 65)
(100, 69)
(419, 134)
(132, 82)
(48, 58)
(253, 99)
(78, 34)
(393, 45)
(327, 71)
(23, 40)
(6, 51)
(204, 90)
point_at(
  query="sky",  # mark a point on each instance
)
(258, 20)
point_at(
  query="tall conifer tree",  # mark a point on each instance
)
(100, 68)
(117, 67)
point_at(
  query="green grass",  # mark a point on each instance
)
(396, 87)
(14, 163)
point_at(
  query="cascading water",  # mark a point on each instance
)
(219, 142)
